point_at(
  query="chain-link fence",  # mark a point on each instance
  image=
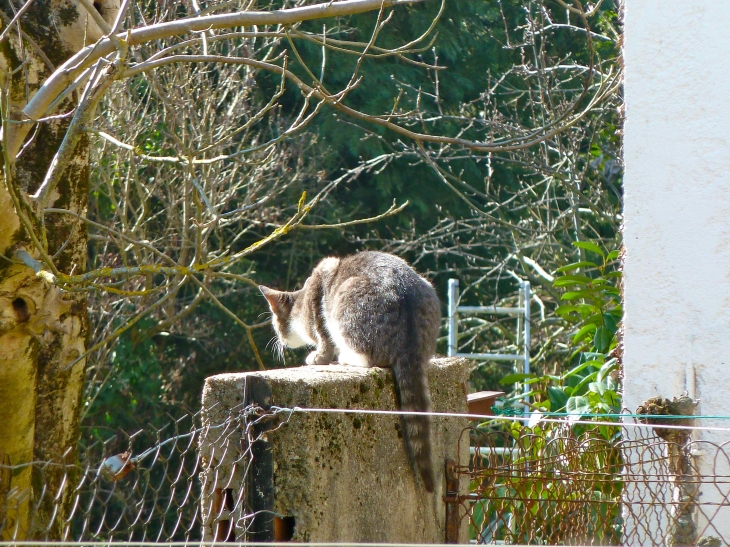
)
(549, 484)
(140, 487)
(576, 484)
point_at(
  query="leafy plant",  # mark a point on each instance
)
(535, 488)
(593, 308)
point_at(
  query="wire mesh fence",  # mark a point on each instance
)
(146, 486)
(557, 483)
(568, 484)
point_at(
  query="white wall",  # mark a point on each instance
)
(677, 207)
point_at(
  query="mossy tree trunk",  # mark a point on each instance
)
(42, 329)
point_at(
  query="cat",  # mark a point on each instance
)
(370, 309)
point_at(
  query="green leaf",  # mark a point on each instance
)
(583, 332)
(598, 387)
(564, 310)
(613, 255)
(576, 265)
(557, 397)
(578, 405)
(608, 367)
(588, 246)
(572, 280)
(610, 322)
(582, 386)
(514, 378)
(572, 295)
(596, 318)
(579, 368)
(602, 339)
(530, 381)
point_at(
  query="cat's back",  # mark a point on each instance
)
(386, 274)
(379, 303)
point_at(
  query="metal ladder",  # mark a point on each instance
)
(522, 312)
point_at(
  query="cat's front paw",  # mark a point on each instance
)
(316, 358)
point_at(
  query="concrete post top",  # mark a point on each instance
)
(324, 374)
(304, 386)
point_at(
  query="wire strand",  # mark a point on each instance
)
(507, 418)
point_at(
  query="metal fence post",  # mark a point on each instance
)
(451, 498)
(526, 338)
(453, 347)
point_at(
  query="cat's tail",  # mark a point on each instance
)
(413, 393)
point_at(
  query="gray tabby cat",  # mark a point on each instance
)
(372, 310)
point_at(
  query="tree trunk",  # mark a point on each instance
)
(43, 330)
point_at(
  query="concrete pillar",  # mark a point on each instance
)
(325, 476)
(677, 215)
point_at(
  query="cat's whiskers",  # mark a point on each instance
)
(279, 348)
(266, 348)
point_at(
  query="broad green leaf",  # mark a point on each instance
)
(611, 290)
(530, 381)
(593, 355)
(557, 397)
(612, 397)
(572, 280)
(596, 318)
(613, 255)
(563, 310)
(607, 368)
(579, 368)
(598, 387)
(584, 332)
(610, 322)
(588, 246)
(578, 405)
(514, 378)
(602, 339)
(572, 295)
(613, 274)
(582, 386)
(576, 265)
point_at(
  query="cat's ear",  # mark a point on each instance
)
(273, 297)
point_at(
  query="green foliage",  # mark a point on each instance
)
(594, 310)
(551, 507)
(475, 41)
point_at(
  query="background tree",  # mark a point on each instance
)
(541, 82)
(511, 211)
(52, 83)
